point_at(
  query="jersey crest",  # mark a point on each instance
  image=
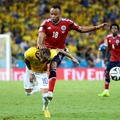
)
(63, 27)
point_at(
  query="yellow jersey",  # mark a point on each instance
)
(36, 65)
(53, 52)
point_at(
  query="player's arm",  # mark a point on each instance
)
(40, 40)
(27, 63)
(84, 29)
(106, 43)
(32, 76)
(68, 54)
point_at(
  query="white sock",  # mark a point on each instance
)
(35, 90)
(45, 95)
(106, 90)
(45, 101)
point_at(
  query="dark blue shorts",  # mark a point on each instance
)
(112, 64)
(59, 57)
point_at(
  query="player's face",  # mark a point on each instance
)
(55, 14)
(114, 29)
(42, 60)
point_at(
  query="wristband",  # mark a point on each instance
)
(94, 27)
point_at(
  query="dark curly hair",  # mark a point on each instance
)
(56, 6)
(114, 24)
(45, 53)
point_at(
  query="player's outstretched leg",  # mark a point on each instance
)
(106, 93)
(52, 78)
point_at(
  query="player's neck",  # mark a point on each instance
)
(114, 35)
(56, 22)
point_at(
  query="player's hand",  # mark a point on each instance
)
(75, 60)
(101, 25)
(106, 61)
(105, 24)
(40, 46)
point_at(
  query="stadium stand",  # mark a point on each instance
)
(22, 18)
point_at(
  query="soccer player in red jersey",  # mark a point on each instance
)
(113, 41)
(53, 33)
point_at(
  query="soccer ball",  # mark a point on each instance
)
(115, 73)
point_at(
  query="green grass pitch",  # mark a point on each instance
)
(73, 100)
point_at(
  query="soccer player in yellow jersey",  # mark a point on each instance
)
(36, 73)
(36, 77)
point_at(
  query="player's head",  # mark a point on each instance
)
(114, 28)
(44, 55)
(55, 13)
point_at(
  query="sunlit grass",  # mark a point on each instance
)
(73, 100)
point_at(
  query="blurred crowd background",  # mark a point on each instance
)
(22, 18)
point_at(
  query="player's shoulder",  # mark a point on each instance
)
(66, 20)
(102, 46)
(31, 50)
(109, 35)
(118, 35)
(46, 21)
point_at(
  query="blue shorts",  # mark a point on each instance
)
(59, 57)
(112, 64)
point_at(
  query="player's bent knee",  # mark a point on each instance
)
(28, 92)
(53, 65)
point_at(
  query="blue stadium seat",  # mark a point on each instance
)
(20, 64)
(98, 64)
(83, 63)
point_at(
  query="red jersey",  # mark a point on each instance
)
(56, 33)
(114, 45)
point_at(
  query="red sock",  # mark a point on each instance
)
(106, 85)
(52, 82)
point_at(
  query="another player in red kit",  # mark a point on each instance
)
(53, 33)
(113, 41)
